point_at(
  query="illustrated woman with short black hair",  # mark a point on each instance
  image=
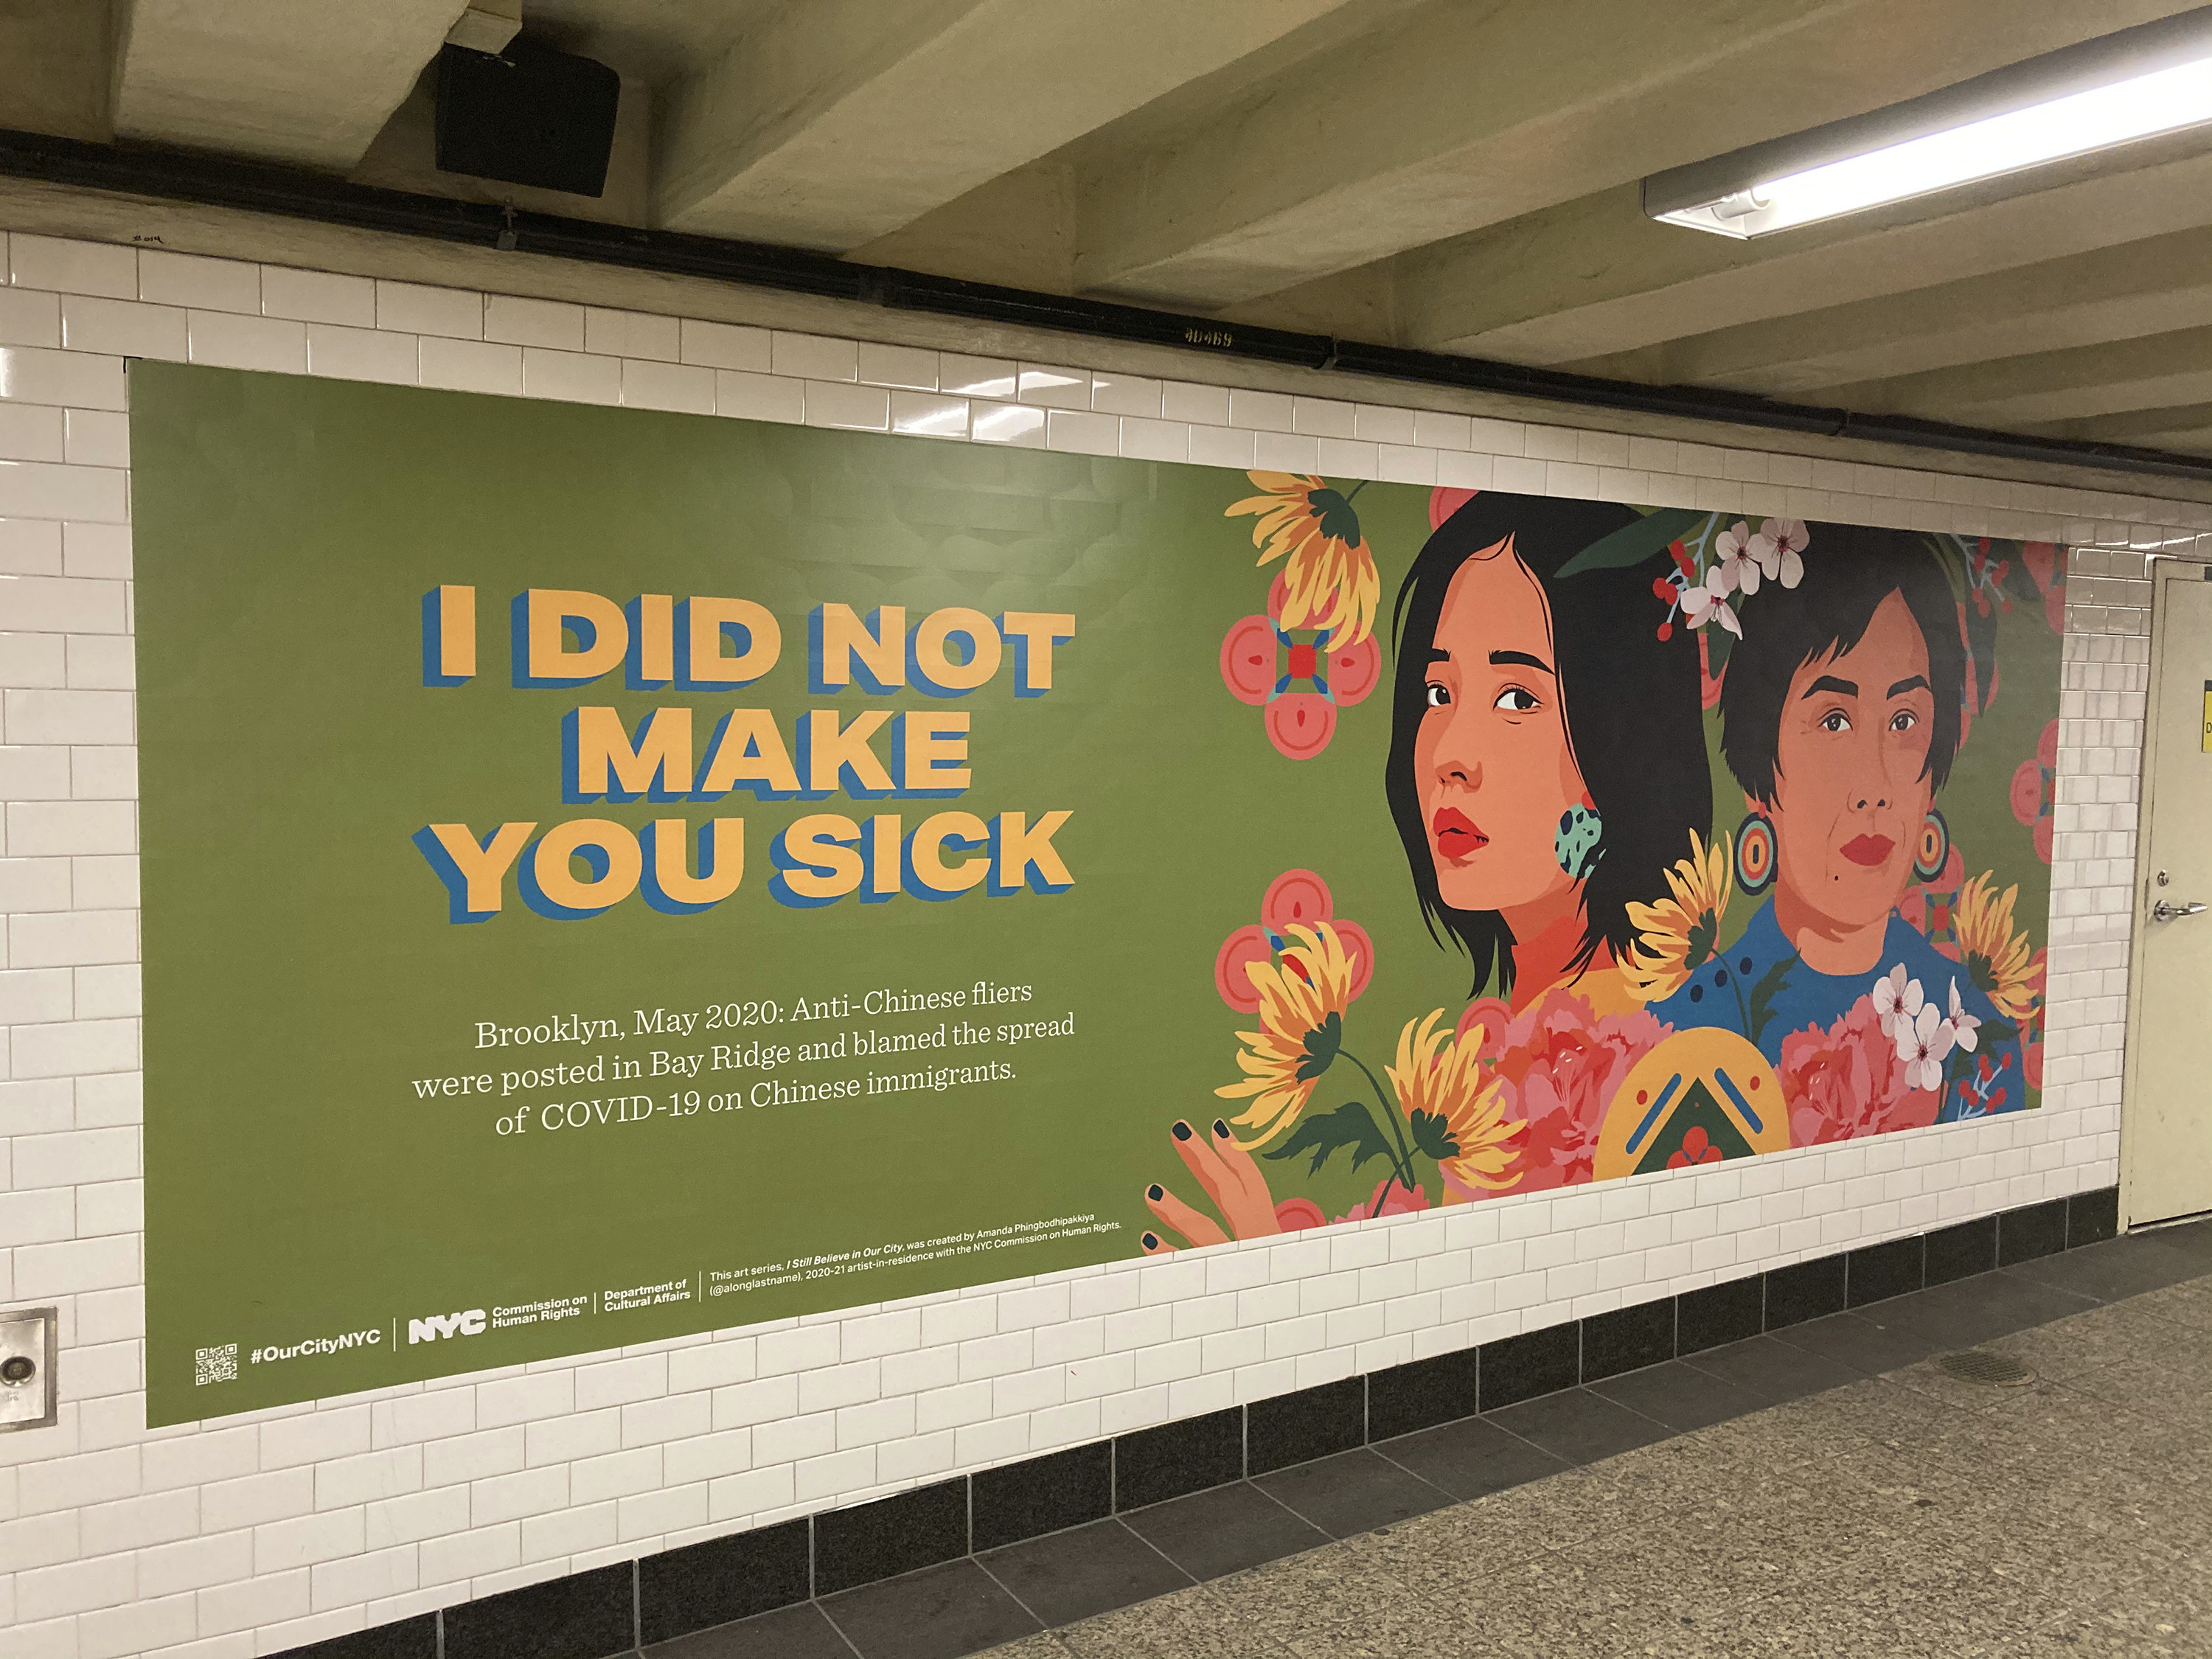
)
(1840, 718)
(1547, 752)
(1548, 766)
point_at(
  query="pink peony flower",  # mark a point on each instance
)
(1296, 1214)
(1559, 1063)
(1399, 1202)
(1849, 1081)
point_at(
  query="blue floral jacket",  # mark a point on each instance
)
(1760, 987)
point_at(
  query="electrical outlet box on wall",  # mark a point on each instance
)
(27, 1396)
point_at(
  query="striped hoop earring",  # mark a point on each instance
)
(1755, 853)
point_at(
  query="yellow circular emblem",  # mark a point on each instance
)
(1701, 1096)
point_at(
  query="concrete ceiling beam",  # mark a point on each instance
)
(59, 68)
(1594, 277)
(2187, 440)
(2152, 287)
(296, 80)
(1465, 116)
(2137, 425)
(839, 121)
(2080, 383)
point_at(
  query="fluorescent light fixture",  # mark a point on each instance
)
(2135, 84)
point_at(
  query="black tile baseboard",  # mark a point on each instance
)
(1881, 1271)
(406, 1639)
(1421, 1394)
(892, 1536)
(1808, 1290)
(609, 1611)
(2039, 1229)
(2093, 1217)
(698, 1586)
(1041, 1495)
(1517, 1368)
(1968, 1249)
(584, 1615)
(1627, 1340)
(1177, 1459)
(1306, 1424)
(1719, 1314)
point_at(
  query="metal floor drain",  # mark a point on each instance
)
(1982, 1365)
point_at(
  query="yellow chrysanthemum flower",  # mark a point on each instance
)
(1994, 958)
(1302, 1004)
(1330, 581)
(1440, 1079)
(1678, 934)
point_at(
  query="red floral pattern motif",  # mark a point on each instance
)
(2035, 790)
(1559, 1063)
(1296, 897)
(1928, 904)
(2043, 569)
(1985, 575)
(1696, 1147)
(1446, 499)
(1262, 662)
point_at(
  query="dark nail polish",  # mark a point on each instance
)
(1151, 1242)
(1182, 1131)
(1221, 1128)
(1155, 1192)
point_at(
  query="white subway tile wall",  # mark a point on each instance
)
(254, 1535)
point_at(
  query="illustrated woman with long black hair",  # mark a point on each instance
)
(1548, 753)
(1548, 766)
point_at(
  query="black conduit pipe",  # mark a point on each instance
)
(255, 187)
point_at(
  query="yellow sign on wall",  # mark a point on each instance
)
(2204, 737)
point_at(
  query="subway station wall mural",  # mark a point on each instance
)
(609, 875)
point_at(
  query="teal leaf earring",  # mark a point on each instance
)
(1580, 840)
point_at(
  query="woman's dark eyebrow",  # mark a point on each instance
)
(1436, 655)
(1502, 659)
(1830, 682)
(1917, 683)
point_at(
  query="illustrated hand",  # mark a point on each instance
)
(1231, 1179)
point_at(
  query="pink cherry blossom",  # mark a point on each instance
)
(1702, 603)
(1923, 1042)
(1964, 1026)
(1733, 550)
(1776, 549)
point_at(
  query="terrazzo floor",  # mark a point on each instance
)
(1886, 1508)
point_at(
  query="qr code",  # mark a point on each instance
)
(216, 1364)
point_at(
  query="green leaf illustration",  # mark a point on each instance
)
(1433, 1135)
(1719, 642)
(1333, 509)
(1770, 986)
(1321, 1045)
(1633, 543)
(1326, 1133)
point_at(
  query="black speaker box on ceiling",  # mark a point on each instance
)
(529, 115)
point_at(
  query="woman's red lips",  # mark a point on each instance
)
(1869, 850)
(1455, 834)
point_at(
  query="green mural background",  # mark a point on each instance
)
(302, 976)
